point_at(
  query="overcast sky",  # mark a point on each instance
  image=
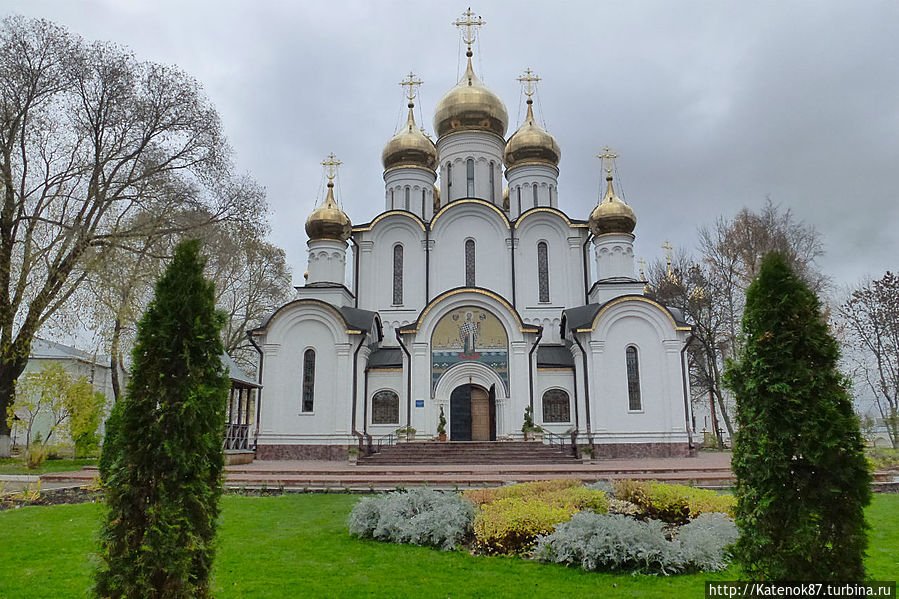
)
(712, 106)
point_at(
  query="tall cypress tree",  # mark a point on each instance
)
(163, 479)
(802, 479)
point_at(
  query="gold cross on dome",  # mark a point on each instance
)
(529, 79)
(608, 159)
(411, 82)
(668, 247)
(331, 163)
(642, 263)
(470, 25)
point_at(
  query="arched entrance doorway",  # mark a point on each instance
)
(473, 413)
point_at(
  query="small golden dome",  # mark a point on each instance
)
(531, 143)
(410, 147)
(506, 199)
(470, 106)
(328, 221)
(436, 197)
(612, 215)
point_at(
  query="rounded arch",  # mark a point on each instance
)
(548, 213)
(650, 311)
(459, 206)
(414, 218)
(474, 296)
(459, 374)
(385, 407)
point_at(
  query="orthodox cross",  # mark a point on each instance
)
(642, 263)
(331, 163)
(471, 27)
(608, 159)
(411, 82)
(529, 79)
(668, 247)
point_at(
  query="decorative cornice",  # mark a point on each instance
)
(410, 215)
(415, 326)
(470, 201)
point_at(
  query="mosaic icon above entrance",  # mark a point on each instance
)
(469, 334)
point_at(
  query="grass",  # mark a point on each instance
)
(298, 546)
(18, 466)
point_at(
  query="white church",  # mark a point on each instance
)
(475, 298)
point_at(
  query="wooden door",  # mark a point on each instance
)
(480, 414)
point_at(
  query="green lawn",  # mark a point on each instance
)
(17, 465)
(298, 546)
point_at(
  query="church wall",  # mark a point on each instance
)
(553, 378)
(390, 380)
(484, 148)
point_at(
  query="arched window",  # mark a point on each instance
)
(406, 202)
(518, 192)
(469, 263)
(397, 275)
(542, 272)
(385, 408)
(308, 380)
(469, 177)
(423, 198)
(556, 406)
(392, 205)
(492, 184)
(634, 403)
(535, 195)
(449, 181)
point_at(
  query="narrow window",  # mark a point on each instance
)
(469, 177)
(406, 204)
(535, 195)
(469, 263)
(543, 271)
(518, 191)
(392, 204)
(385, 408)
(492, 185)
(449, 182)
(423, 204)
(634, 403)
(397, 275)
(308, 380)
(556, 406)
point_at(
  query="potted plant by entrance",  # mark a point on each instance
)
(586, 452)
(531, 431)
(352, 454)
(406, 432)
(441, 426)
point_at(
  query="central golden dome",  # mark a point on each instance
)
(531, 143)
(410, 147)
(470, 106)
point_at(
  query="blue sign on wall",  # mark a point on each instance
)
(419, 403)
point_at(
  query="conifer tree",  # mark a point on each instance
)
(802, 479)
(163, 477)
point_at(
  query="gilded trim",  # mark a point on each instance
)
(552, 368)
(531, 163)
(633, 298)
(521, 325)
(383, 215)
(410, 165)
(306, 300)
(377, 369)
(549, 209)
(445, 207)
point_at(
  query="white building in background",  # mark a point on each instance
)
(473, 298)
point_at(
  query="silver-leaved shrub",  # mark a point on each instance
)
(418, 517)
(614, 542)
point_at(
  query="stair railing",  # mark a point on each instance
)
(565, 445)
(385, 440)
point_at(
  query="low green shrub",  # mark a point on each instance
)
(35, 456)
(511, 525)
(675, 504)
(619, 543)
(578, 499)
(532, 490)
(883, 458)
(418, 517)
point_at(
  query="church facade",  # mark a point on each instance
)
(475, 299)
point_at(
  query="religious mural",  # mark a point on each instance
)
(469, 334)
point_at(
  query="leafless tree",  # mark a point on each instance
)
(89, 138)
(871, 319)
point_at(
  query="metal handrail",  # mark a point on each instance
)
(388, 440)
(565, 445)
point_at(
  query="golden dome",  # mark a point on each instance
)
(436, 197)
(470, 106)
(612, 215)
(531, 143)
(328, 221)
(506, 199)
(410, 147)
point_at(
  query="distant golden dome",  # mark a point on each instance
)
(506, 199)
(612, 215)
(410, 147)
(328, 221)
(436, 197)
(470, 106)
(531, 143)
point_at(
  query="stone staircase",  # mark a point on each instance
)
(469, 452)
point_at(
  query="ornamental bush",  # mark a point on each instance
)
(511, 525)
(531, 489)
(619, 543)
(418, 517)
(164, 460)
(802, 480)
(675, 504)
